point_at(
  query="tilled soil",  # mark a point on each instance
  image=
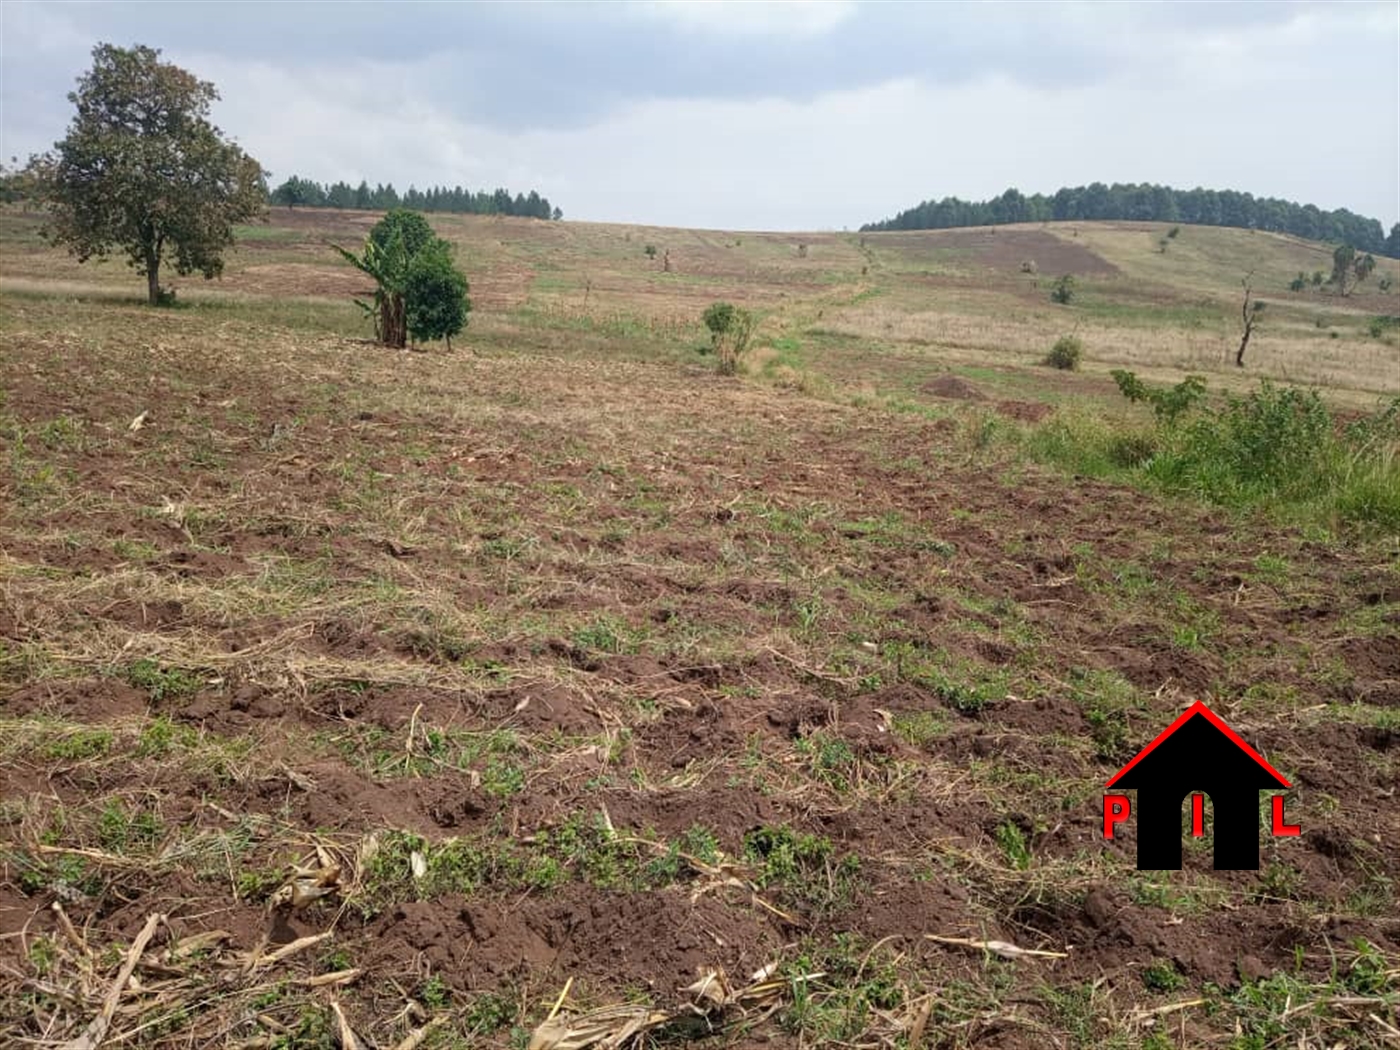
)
(580, 614)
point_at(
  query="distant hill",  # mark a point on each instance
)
(1149, 203)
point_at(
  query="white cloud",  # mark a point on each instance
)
(750, 17)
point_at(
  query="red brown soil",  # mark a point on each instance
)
(950, 386)
(1008, 588)
(1002, 249)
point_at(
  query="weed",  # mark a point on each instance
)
(600, 637)
(160, 736)
(488, 1012)
(854, 985)
(1162, 976)
(78, 745)
(161, 683)
(804, 867)
(830, 760)
(121, 832)
(920, 728)
(1014, 847)
(434, 993)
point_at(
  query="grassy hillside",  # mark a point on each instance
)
(945, 298)
(557, 690)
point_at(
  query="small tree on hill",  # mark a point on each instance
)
(731, 327)
(418, 290)
(1350, 269)
(1063, 290)
(142, 169)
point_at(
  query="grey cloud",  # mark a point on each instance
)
(616, 113)
(556, 66)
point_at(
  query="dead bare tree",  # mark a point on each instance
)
(1249, 313)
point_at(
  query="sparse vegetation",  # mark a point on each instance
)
(1062, 291)
(1066, 353)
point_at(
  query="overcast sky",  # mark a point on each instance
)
(801, 115)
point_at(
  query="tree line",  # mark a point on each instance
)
(297, 192)
(1150, 203)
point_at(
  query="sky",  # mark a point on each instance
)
(802, 115)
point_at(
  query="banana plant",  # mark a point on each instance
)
(387, 264)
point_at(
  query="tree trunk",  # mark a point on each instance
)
(393, 321)
(1244, 342)
(153, 271)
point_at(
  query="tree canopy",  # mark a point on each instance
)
(419, 291)
(143, 170)
(297, 192)
(1145, 202)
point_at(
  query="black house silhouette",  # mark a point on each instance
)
(1198, 752)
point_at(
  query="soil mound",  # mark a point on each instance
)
(951, 386)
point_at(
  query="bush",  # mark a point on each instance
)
(1168, 403)
(731, 328)
(1379, 325)
(435, 294)
(1065, 354)
(1298, 283)
(1277, 448)
(718, 317)
(1063, 290)
(418, 289)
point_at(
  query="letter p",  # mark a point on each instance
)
(1115, 810)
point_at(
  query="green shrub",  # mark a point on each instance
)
(435, 294)
(1282, 446)
(1063, 290)
(731, 327)
(1378, 326)
(718, 317)
(1168, 403)
(1278, 448)
(1065, 354)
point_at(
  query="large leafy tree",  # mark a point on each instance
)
(143, 170)
(418, 289)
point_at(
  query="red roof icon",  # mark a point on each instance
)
(1201, 710)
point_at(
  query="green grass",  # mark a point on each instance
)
(1276, 449)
